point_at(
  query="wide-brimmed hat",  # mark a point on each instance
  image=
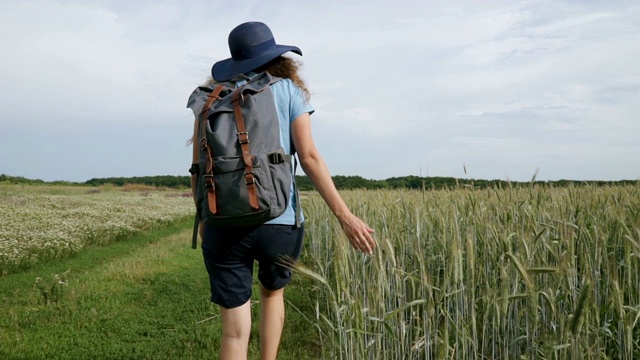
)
(251, 45)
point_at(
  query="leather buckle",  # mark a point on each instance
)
(249, 178)
(243, 138)
(209, 183)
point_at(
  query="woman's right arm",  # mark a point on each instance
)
(358, 233)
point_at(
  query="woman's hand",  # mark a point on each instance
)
(358, 233)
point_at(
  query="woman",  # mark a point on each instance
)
(229, 253)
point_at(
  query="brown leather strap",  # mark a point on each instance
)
(208, 171)
(243, 139)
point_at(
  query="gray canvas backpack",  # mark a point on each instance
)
(244, 176)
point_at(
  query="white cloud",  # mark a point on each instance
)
(504, 87)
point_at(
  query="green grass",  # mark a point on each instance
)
(144, 298)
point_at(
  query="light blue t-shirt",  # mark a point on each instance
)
(290, 103)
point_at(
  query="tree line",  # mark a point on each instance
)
(342, 182)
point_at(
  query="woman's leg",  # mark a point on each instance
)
(271, 321)
(236, 328)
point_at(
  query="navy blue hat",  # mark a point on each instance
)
(252, 45)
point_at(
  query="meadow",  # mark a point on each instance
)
(41, 223)
(531, 272)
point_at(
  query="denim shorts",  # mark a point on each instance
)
(229, 255)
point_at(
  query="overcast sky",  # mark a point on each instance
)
(501, 89)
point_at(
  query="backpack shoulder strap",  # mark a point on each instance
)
(198, 137)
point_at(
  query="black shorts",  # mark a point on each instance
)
(229, 254)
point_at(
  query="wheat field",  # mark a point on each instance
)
(526, 272)
(535, 273)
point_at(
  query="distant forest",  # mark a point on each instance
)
(342, 182)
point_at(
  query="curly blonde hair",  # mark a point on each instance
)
(283, 67)
(286, 68)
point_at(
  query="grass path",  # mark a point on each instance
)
(144, 298)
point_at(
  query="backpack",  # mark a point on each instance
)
(244, 177)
